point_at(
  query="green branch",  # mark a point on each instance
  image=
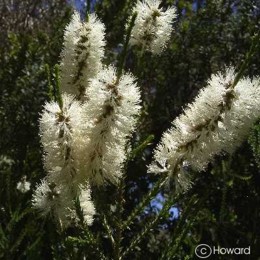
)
(88, 10)
(122, 57)
(148, 227)
(50, 87)
(141, 147)
(118, 228)
(183, 227)
(58, 86)
(249, 55)
(151, 194)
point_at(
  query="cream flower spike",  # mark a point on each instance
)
(217, 121)
(153, 26)
(112, 109)
(82, 54)
(61, 137)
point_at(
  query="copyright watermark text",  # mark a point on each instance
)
(204, 251)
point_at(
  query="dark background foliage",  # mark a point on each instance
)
(222, 207)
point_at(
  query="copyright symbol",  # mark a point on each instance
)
(203, 251)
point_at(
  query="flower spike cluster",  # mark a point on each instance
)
(153, 26)
(112, 109)
(217, 121)
(82, 54)
(61, 135)
(85, 134)
(61, 131)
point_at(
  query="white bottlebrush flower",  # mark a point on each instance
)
(217, 121)
(86, 204)
(82, 53)
(153, 26)
(236, 123)
(61, 137)
(111, 111)
(49, 198)
(23, 185)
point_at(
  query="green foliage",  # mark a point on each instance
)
(254, 140)
(23, 54)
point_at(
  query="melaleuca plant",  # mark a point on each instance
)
(86, 128)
